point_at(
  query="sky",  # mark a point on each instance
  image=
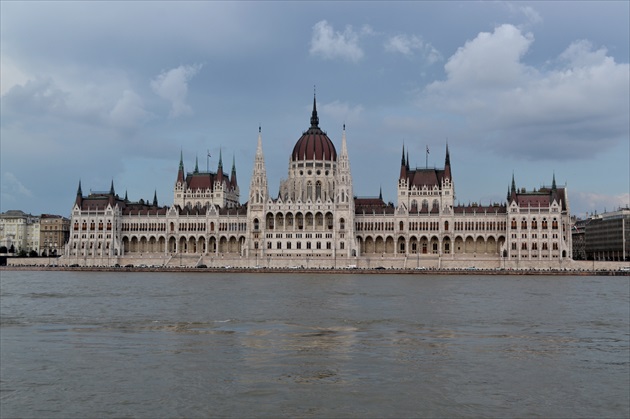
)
(102, 92)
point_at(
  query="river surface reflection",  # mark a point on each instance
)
(90, 344)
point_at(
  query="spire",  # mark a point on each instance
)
(155, 201)
(447, 164)
(513, 184)
(553, 183)
(314, 118)
(181, 160)
(233, 175)
(79, 199)
(344, 146)
(111, 188)
(380, 193)
(407, 163)
(447, 161)
(221, 160)
(403, 165)
(196, 164)
(126, 199)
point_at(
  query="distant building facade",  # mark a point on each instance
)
(19, 231)
(315, 220)
(54, 232)
(605, 237)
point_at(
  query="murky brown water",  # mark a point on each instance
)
(263, 345)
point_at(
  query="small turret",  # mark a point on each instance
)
(155, 200)
(79, 198)
(233, 181)
(180, 172)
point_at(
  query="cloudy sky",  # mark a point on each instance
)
(102, 91)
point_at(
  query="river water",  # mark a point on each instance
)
(90, 344)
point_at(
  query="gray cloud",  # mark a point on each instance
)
(172, 85)
(571, 111)
(329, 44)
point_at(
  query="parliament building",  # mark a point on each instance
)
(316, 221)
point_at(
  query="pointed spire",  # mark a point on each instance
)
(314, 118)
(513, 184)
(402, 162)
(180, 172)
(380, 193)
(407, 162)
(196, 164)
(111, 188)
(79, 191)
(553, 183)
(155, 201)
(447, 164)
(344, 146)
(233, 175)
(126, 199)
(447, 161)
(220, 159)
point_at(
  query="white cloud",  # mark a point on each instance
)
(593, 201)
(172, 85)
(329, 44)
(408, 45)
(342, 111)
(572, 111)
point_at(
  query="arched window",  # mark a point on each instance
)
(318, 190)
(256, 224)
(445, 225)
(309, 190)
(342, 224)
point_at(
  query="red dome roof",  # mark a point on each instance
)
(314, 144)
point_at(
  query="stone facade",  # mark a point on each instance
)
(19, 231)
(54, 232)
(315, 220)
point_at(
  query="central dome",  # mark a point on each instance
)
(314, 144)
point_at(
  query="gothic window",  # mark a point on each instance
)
(256, 224)
(401, 226)
(342, 224)
(554, 224)
(318, 190)
(445, 225)
(513, 224)
(309, 190)
(534, 224)
(523, 225)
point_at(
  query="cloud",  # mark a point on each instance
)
(593, 201)
(342, 112)
(329, 44)
(12, 189)
(172, 85)
(129, 111)
(409, 44)
(571, 111)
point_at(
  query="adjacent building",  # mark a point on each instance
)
(603, 237)
(19, 232)
(54, 232)
(315, 219)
